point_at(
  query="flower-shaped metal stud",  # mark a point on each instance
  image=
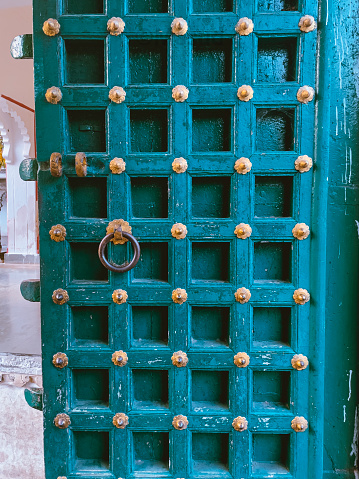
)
(60, 296)
(119, 296)
(60, 360)
(81, 164)
(180, 93)
(179, 296)
(180, 422)
(179, 165)
(303, 163)
(53, 95)
(307, 24)
(116, 225)
(244, 26)
(179, 26)
(245, 93)
(243, 166)
(299, 362)
(117, 94)
(117, 166)
(299, 424)
(240, 424)
(179, 359)
(242, 295)
(120, 420)
(179, 231)
(115, 26)
(119, 358)
(305, 94)
(301, 296)
(301, 231)
(62, 421)
(51, 27)
(56, 164)
(243, 231)
(241, 360)
(58, 233)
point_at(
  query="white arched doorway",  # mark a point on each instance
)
(21, 204)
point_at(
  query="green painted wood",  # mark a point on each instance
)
(211, 130)
(34, 398)
(21, 47)
(28, 169)
(30, 290)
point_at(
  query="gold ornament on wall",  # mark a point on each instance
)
(119, 296)
(303, 163)
(299, 362)
(242, 295)
(180, 422)
(56, 164)
(62, 421)
(179, 296)
(117, 166)
(305, 94)
(115, 227)
(243, 231)
(245, 93)
(241, 360)
(301, 231)
(120, 420)
(243, 166)
(60, 296)
(244, 26)
(51, 27)
(179, 231)
(119, 358)
(58, 233)
(179, 165)
(115, 26)
(179, 359)
(240, 424)
(81, 164)
(301, 296)
(53, 95)
(180, 93)
(117, 94)
(299, 424)
(60, 360)
(307, 24)
(179, 26)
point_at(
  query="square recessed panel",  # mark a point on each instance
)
(90, 388)
(149, 197)
(209, 390)
(271, 327)
(148, 6)
(273, 196)
(90, 451)
(88, 197)
(210, 261)
(278, 5)
(151, 452)
(149, 131)
(212, 6)
(150, 388)
(275, 129)
(89, 326)
(83, 7)
(153, 263)
(271, 454)
(148, 61)
(273, 262)
(212, 60)
(85, 264)
(149, 326)
(211, 196)
(87, 131)
(277, 59)
(85, 61)
(210, 327)
(210, 453)
(271, 390)
(211, 130)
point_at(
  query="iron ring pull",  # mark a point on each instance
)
(115, 267)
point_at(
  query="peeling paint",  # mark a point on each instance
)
(355, 443)
(350, 384)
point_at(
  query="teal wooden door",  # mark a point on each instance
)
(193, 123)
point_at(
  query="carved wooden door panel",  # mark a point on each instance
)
(193, 124)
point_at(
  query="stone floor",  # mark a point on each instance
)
(20, 325)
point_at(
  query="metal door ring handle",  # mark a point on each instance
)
(115, 267)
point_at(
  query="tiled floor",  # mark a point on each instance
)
(20, 326)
